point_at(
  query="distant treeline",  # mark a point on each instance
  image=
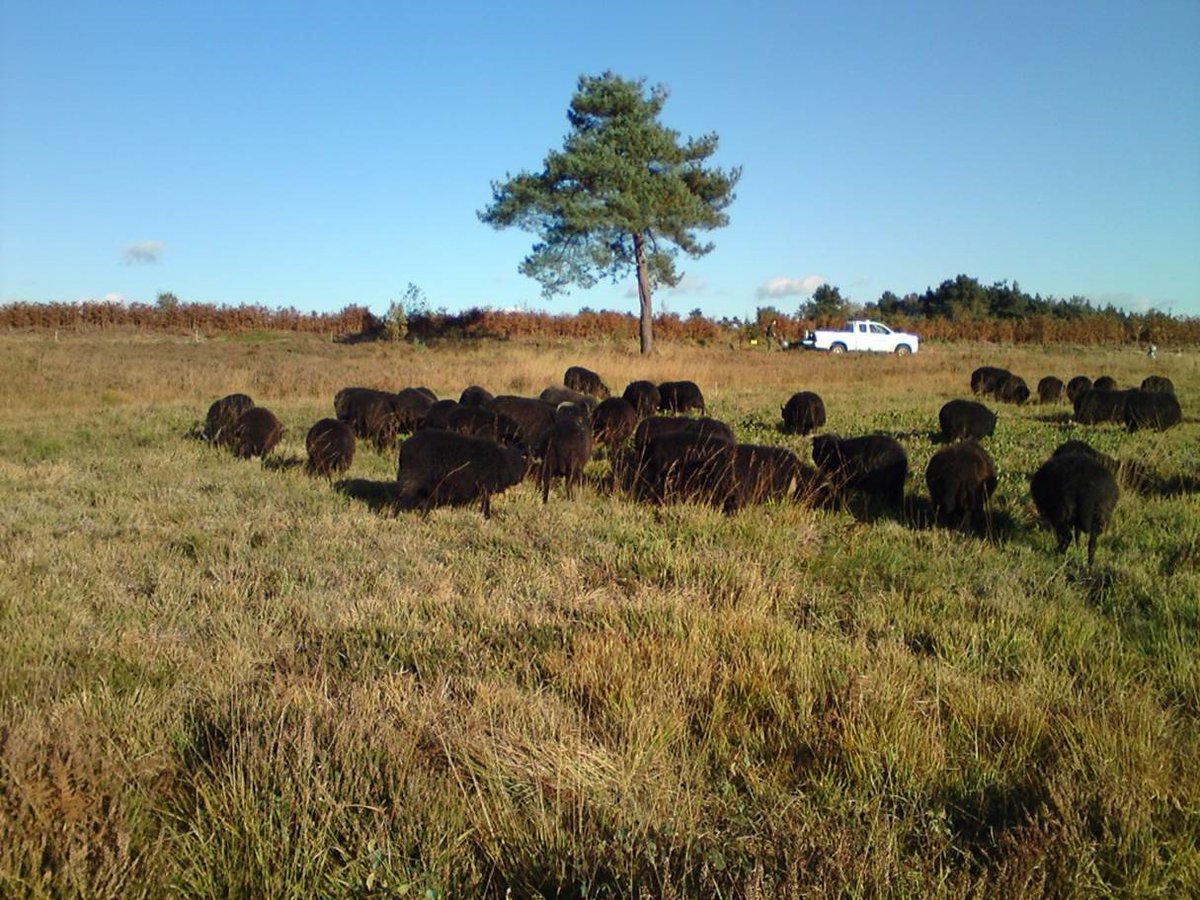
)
(959, 309)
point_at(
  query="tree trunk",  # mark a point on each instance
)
(643, 279)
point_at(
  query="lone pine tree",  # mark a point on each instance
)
(623, 193)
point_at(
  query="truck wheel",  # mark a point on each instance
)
(838, 348)
(903, 350)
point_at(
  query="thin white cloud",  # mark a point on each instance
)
(143, 253)
(688, 284)
(790, 287)
(114, 298)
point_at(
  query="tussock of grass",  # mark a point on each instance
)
(224, 677)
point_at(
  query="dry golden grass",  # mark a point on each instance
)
(221, 677)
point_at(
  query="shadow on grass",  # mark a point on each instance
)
(379, 496)
(998, 526)
(283, 463)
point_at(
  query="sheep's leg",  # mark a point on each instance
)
(1064, 539)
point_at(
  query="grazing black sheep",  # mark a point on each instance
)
(655, 426)
(1078, 446)
(578, 409)
(577, 378)
(985, 379)
(730, 476)
(613, 421)
(476, 396)
(1151, 409)
(441, 468)
(672, 465)
(874, 464)
(960, 479)
(1105, 383)
(255, 433)
(632, 465)
(1076, 494)
(644, 396)
(1077, 386)
(1011, 389)
(1132, 473)
(370, 413)
(1094, 406)
(410, 407)
(474, 421)
(1050, 390)
(566, 448)
(330, 446)
(760, 474)
(558, 395)
(803, 413)
(533, 416)
(966, 419)
(1159, 384)
(218, 424)
(439, 413)
(680, 397)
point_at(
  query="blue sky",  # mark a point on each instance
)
(320, 154)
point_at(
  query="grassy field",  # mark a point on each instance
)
(224, 678)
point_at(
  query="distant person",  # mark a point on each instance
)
(771, 335)
(1152, 351)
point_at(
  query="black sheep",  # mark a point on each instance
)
(577, 378)
(1158, 383)
(673, 465)
(1151, 409)
(680, 397)
(966, 419)
(370, 413)
(613, 421)
(558, 394)
(1077, 386)
(653, 427)
(961, 479)
(410, 406)
(874, 464)
(533, 416)
(1094, 406)
(218, 424)
(439, 413)
(1105, 383)
(985, 378)
(565, 448)
(645, 397)
(1078, 446)
(474, 421)
(1050, 390)
(1076, 494)
(731, 476)
(745, 474)
(330, 446)
(633, 464)
(803, 413)
(441, 468)
(1011, 389)
(256, 433)
(476, 396)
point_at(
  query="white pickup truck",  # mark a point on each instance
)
(862, 335)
